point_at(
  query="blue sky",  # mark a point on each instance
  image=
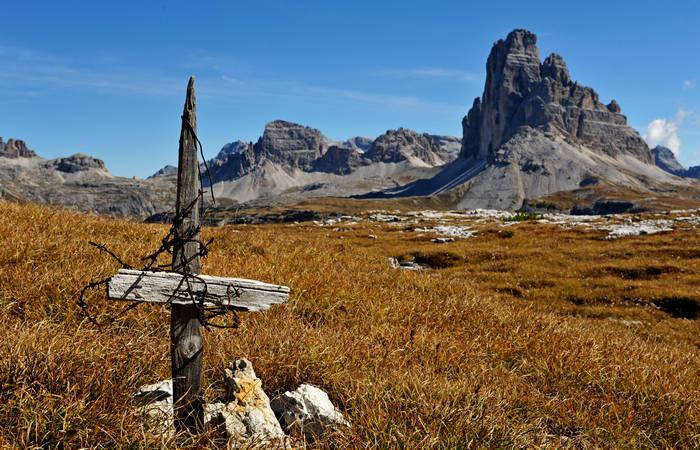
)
(108, 79)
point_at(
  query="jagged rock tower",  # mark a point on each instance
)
(535, 132)
(522, 91)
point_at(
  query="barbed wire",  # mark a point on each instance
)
(206, 313)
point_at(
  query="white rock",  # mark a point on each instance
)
(156, 408)
(640, 228)
(309, 409)
(448, 230)
(408, 265)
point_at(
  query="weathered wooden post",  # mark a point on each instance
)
(186, 335)
(185, 290)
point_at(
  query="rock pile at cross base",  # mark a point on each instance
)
(535, 132)
(246, 418)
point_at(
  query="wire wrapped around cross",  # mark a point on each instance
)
(205, 314)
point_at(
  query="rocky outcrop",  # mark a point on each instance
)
(405, 145)
(246, 416)
(291, 144)
(166, 171)
(666, 160)
(308, 410)
(79, 182)
(156, 408)
(360, 143)
(339, 160)
(234, 160)
(522, 91)
(15, 148)
(77, 163)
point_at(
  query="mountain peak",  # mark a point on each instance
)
(555, 68)
(15, 148)
(522, 91)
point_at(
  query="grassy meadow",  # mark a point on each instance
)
(525, 336)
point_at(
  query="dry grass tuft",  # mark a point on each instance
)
(548, 338)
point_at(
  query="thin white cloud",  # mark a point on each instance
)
(431, 73)
(34, 71)
(665, 132)
(688, 84)
(303, 91)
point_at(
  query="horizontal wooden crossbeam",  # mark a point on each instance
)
(169, 287)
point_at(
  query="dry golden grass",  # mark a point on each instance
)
(542, 337)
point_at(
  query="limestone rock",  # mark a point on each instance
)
(234, 160)
(521, 91)
(666, 160)
(246, 416)
(405, 145)
(166, 171)
(15, 148)
(79, 182)
(309, 409)
(156, 408)
(77, 163)
(360, 143)
(291, 144)
(339, 160)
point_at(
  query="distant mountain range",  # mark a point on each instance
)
(535, 137)
(296, 162)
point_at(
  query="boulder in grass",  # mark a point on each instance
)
(156, 408)
(309, 410)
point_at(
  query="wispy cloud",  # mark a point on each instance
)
(36, 72)
(304, 91)
(665, 132)
(431, 73)
(688, 84)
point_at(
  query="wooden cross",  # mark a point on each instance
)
(178, 288)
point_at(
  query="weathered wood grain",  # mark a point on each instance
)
(169, 287)
(186, 335)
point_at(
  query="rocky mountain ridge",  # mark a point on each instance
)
(79, 182)
(294, 161)
(666, 160)
(535, 132)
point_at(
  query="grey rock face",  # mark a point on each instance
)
(309, 409)
(402, 145)
(450, 146)
(666, 160)
(358, 142)
(15, 148)
(521, 91)
(77, 163)
(291, 144)
(339, 160)
(166, 171)
(233, 161)
(81, 182)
